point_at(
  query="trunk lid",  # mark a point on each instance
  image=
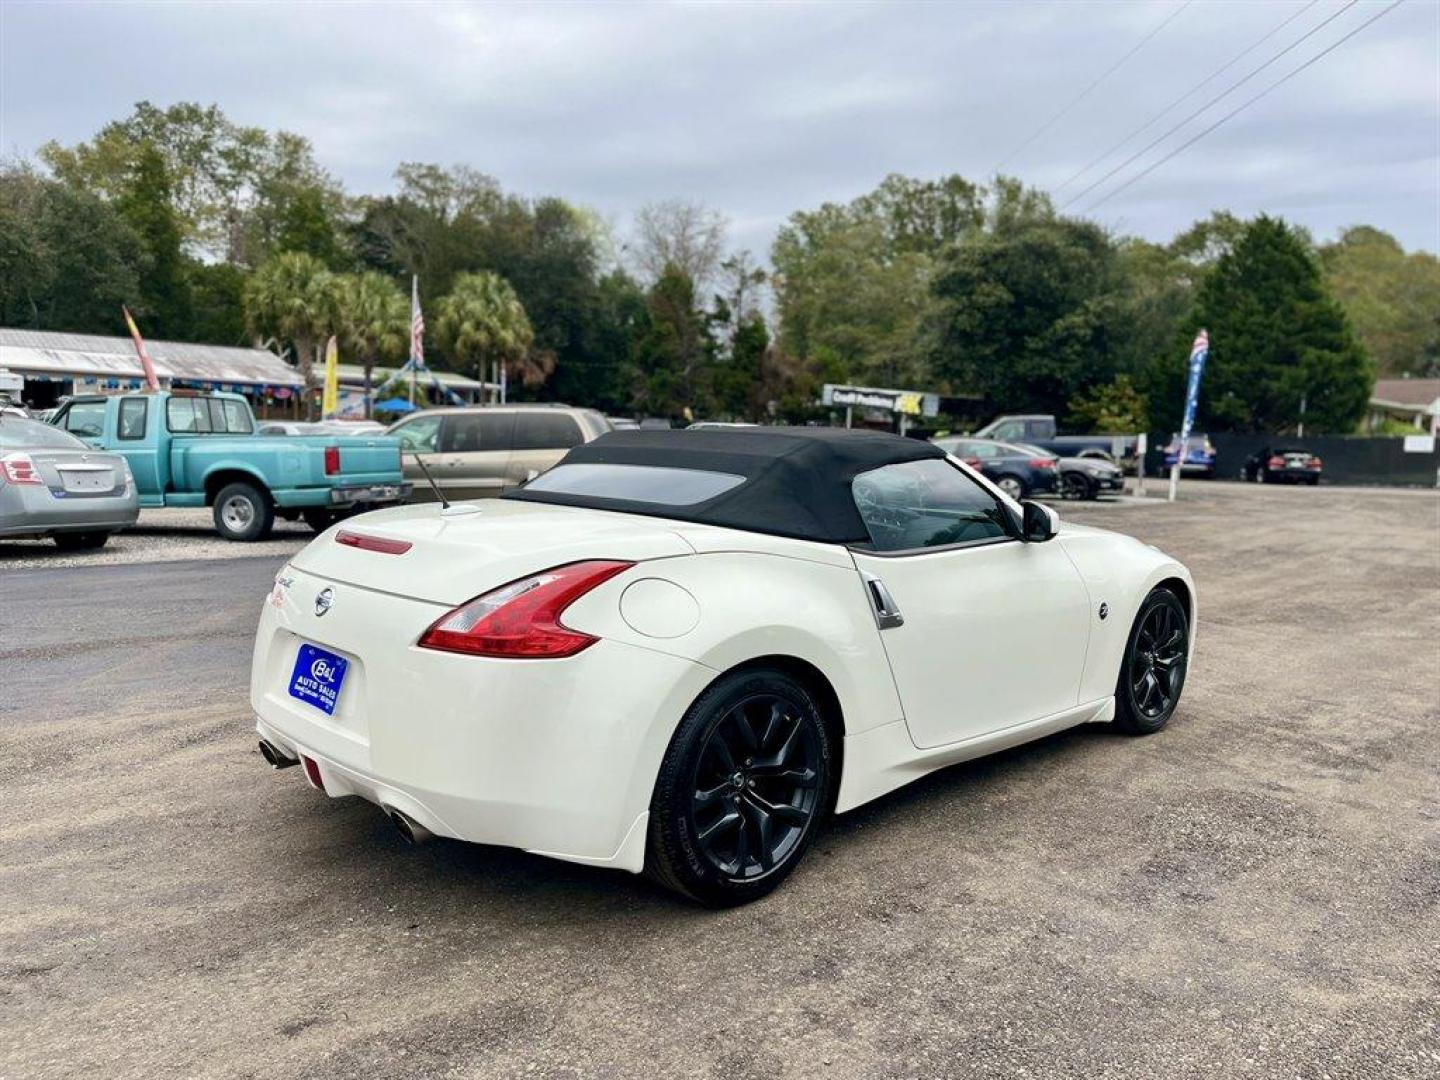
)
(455, 557)
(77, 474)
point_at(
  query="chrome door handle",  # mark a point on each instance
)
(887, 612)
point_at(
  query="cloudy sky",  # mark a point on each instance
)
(762, 108)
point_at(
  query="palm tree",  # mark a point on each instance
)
(482, 322)
(375, 321)
(294, 298)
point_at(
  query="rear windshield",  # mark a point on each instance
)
(653, 484)
(18, 433)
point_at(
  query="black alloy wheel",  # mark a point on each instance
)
(741, 789)
(1076, 485)
(1153, 673)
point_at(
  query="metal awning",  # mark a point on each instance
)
(69, 356)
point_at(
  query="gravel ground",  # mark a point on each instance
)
(159, 536)
(1254, 892)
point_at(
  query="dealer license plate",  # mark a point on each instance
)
(317, 677)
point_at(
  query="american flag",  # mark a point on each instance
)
(417, 324)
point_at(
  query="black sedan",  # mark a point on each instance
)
(1283, 465)
(1016, 470)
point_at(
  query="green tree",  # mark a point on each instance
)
(670, 362)
(68, 260)
(375, 321)
(1111, 407)
(217, 292)
(482, 323)
(294, 298)
(1391, 297)
(164, 293)
(1029, 306)
(1277, 339)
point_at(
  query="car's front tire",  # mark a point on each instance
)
(1077, 485)
(741, 790)
(1152, 674)
(243, 512)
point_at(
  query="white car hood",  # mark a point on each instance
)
(456, 556)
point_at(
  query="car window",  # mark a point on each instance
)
(420, 435)
(188, 416)
(1012, 429)
(545, 431)
(653, 484)
(18, 433)
(473, 432)
(86, 419)
(923, 504)
(132, 417)
(237, 417)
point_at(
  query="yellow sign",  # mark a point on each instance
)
(330, 402)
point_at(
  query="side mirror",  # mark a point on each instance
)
(1039, 524)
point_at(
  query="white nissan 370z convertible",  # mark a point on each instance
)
(678, 651)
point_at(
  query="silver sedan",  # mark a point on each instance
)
(52, 484)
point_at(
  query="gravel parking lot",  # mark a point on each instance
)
(1254, 892)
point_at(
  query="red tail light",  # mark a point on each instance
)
(1313, 463)
(332, 460)
(19, 469)
(973, 462)
(372, 543)
(522, 620)
(1042, 463)
(1276, 462)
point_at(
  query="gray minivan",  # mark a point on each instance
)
(481, 451)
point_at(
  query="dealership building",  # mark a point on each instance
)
(56, 365)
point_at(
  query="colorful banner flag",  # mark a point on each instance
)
(417, 333)
(1199, 352)
(330, 400)
(151, 381)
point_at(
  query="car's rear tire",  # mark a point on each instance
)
(741, 791)
(243, 512)
(82, 541)
(319, 519)
(1013, 486)
(1152, 673)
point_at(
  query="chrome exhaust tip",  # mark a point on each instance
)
(276, 757)
(408, 827)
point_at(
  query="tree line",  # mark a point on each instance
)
(215, 232)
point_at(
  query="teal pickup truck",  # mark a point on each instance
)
(201, 449)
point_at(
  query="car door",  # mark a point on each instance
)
(419, 435)
(982, 631)
(540, 439)
(474, 453)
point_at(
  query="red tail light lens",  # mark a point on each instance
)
(332, 460)
(973, 462)
(522, 620)
(1042, 463)
(1276, 462)
(372, 543)
(1313, 463)
(19, 469)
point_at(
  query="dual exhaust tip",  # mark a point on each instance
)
(409, 829)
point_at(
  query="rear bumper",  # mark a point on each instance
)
(557, 757)
(380, 493)
(34, 511)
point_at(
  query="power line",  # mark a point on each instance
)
(1086, 92)
(1208, 78)
(1245, 105)
(1223, 93)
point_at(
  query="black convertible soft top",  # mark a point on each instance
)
(796, 480)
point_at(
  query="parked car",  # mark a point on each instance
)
(52, 484)
(1283, 465)
(353, 427)
(1040, 429)
(622, 423)
(481, 451)
(1083, 477)
(1199, 455)
(1018, 472)
(651, 656)
(289, 427)
(193, 449)
(342, 428)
